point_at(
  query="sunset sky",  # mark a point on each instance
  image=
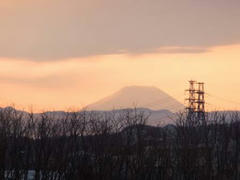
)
(56, 54)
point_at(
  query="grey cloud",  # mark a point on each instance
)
(171, 50)
(58, 29)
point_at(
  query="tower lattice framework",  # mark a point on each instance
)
(196, 102)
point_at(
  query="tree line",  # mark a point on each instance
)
(104, 146)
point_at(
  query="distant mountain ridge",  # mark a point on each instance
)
(155, 117)
(152, 101)
(138, 96)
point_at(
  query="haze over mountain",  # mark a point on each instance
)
(140, 97)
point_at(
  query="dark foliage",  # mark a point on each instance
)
(84, 145)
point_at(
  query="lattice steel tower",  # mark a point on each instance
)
(196, 103)
(200, 102)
